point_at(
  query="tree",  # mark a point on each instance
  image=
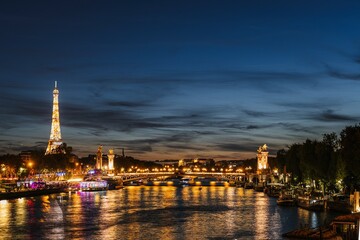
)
(293, 161)
(350, 149)
(281, 159)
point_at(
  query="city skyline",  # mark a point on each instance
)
(180, 79)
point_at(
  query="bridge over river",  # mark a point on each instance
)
(126, 177)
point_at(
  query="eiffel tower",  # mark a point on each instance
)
(55, 141)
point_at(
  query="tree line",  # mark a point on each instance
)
(333, 162)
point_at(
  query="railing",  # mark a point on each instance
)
(187, 173)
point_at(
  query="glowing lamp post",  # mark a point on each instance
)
(111, 160)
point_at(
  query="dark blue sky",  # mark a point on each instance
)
(178, 79)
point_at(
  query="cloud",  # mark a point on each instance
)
(103, 113)
(233, 147)
(261, 75)
(356, 59)
(329, 115)
(342, 74)
(185, 146)
(17, 147)
(128, 104)
(165, 79)
(320, 104)
(255, 113)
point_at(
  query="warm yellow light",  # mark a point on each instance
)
(75, 180)
(30, 164)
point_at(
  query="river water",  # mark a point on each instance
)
(144, 212)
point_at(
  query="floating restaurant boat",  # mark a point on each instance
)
(94, 185)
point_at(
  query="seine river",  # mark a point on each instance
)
(153, 213)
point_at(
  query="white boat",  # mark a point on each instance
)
(185, 181)
(94, 185)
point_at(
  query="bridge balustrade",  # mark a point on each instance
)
(138, 176)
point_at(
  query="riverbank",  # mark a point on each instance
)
(29, 193)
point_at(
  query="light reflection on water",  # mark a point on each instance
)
(168, 213)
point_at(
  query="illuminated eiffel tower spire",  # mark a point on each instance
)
(55, 141)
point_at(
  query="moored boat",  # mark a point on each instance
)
(339, 203)
(210, 181)
(286, 198)
(30, 193)
(249, 185)
(240, 184)
(259, 187)
(312, 202)
(185, 181)
(114, 184)
(274, 189)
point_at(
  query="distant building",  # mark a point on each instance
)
(184, 162)
(197, 163)
(25, 156)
